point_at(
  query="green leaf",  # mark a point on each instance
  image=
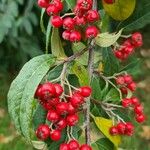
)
(104, 125)
(81, 72)
(48, 35)
(104, 144)
(56, 46)
(21, 104)
(111, 64)
(121, 9)
(42, 21)
(107, 39)
(140, 17)
(39, 145)
(71, 3)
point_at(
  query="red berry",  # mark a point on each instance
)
(135, 101)
(120, 80)
(72, 120)
(85, 91)
(76, 100)
(53, 101)
(73, 145)
(128, 79)
(126, 102)
(113, 130)
(85, 147)
(64, 146)
(47, 106)
(121, 128)
(137, 39)
(78, 12)
(118, 54)
(59, 89)
(132, 86)
(92, 16)
(71, 109)
(55, 135)
(140, 118)
(43, 3)
(52, 9)
(62, 108)
(80, 21)
(85, 4)
(52, 116)
(127, 43)
(68, 23)
(91, 32)
(124, 90)
(58, 4)
(109, 1)
(38, 91)
(47, 91)
(43, 132)
(138, 109)
(129, 129)
(128, 50)
(61, 124)
(66, 35)
(75, 36)
(57, 21)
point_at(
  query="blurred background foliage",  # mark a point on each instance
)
(22, 39)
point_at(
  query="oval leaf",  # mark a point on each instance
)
(107, 39)
(104, 125)
(21, 104)
(121, 9)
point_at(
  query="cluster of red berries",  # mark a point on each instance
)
(74, 145)
(122, 129)
(137, 107)
(129, 45)
(126, 82)
(109, 1)
(83, 15)
(60, 113)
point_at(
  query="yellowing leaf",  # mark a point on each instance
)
(107, 39)
(121, 9)
(104, 125)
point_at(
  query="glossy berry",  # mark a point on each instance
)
(71, 109)
(73, 145)
(129, 129)
(128, 79)
(132, 86)
(138, 109)
(72, 120)
(57, 21)
(113, 130)
(118, 54)
(62, 108)
(109, 1)
(58, 4)
(135, 101)
(127, 43)
(128, 49)
(66, 35)
(126, 102)
(68, 23)
(92, 16)
(43, 132)
(140, 118)
(55, 135)
(80, 21)
(137, 39)
(52, 116)
(61, 124)
(38, 91)
(43, 3)
(121, 128)
(85, 91)
(59, 89)
(52, 9)
(47, 105)
(64, 146)
(91, 32)
(75, 36)
(120, 80)
(124, 90)
(85, 4)
(85, 147)
(76, 100)
(53, 101)
(78, 12)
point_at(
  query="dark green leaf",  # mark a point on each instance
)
(71, 3)
(48, 35)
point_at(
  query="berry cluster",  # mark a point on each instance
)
(60, 113)
(137, 107)
(129, 45)
(83, 15)
(126, 82)
(74, 145)
(122, 129)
